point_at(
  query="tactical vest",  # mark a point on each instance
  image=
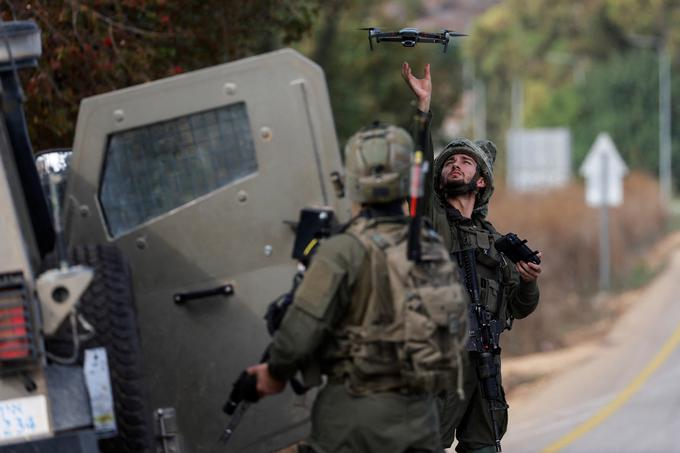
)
(414, 325)
(495, 273)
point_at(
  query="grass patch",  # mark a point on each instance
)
(674, 215)
(639, 276)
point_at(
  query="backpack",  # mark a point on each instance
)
(415, 324)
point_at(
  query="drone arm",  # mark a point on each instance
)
(439, 36)
(428, 40)
(389, 38)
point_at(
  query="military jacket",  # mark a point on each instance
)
(501, 289)
(321, 303)
(331, 326)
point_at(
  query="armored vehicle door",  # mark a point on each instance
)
(193, 178)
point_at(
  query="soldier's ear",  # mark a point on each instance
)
(481, 182)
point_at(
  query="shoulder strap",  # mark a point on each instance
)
(380, 239)
(489, 227)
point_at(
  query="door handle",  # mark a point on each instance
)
(222, 290)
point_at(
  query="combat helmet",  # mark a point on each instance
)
(484, 153)
(377, 161)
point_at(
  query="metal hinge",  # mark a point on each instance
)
(166, 428)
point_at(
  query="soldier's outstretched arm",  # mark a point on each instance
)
(422, 89)
(320, 302)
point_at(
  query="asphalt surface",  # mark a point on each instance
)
(624, 397)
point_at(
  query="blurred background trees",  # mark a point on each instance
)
(589, 65)
(95, 46)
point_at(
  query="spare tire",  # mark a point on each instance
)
(108, 305)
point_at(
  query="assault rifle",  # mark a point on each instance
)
(314, 226)
(484, 341)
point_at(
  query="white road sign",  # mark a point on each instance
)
(538, 159)
(604, 169)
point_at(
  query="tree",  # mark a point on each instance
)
(581, 67)
(91, 47)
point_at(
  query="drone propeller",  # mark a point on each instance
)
(452, 33)
(372, 31)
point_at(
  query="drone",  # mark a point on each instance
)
(409, 37)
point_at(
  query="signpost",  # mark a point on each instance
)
(604, 169)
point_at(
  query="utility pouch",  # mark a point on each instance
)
(487, 260)
(413, 335)
(483, 241)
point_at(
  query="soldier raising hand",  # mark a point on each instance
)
(461, 185)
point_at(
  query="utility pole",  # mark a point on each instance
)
(660, 44)
(480, 110)
(468, 89)
(605, 254)
(517, 103)
(665, 123)
(478, 90)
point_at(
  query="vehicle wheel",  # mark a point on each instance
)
(108, 305)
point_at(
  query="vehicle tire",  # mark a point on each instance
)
(108, 305)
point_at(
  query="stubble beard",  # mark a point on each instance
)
(458, 188)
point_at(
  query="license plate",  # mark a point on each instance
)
(23, 417)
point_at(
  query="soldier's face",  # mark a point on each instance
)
(459, 169)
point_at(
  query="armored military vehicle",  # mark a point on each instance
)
(189, 186)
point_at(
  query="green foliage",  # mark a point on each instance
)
(549, 42)
(639, 276)
(101, 45)
(645, 17)
(525, 38)
(558, 107)
(585, 66)
(620, 96)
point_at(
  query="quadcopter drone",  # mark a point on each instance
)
(409, 37)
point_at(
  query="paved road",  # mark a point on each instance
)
(624, 398)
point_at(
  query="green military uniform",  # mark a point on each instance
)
(334, 295)
(501, 291)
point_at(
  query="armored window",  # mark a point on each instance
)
(153, 169)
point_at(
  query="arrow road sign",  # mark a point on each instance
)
(604, 170)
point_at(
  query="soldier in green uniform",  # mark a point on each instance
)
(462, 185)
(348, 320)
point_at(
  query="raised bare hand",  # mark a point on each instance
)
(422, 88)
